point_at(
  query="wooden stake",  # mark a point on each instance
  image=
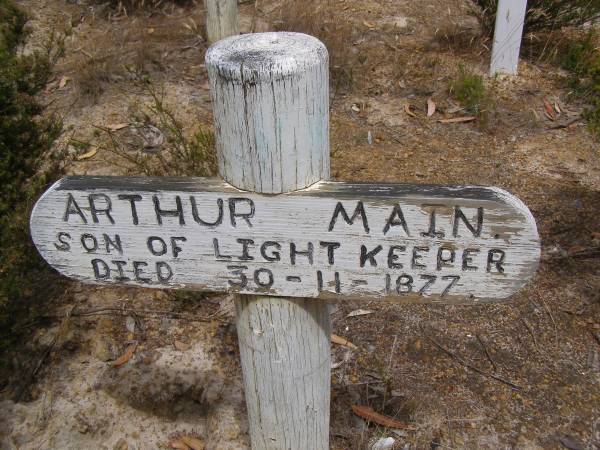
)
(510, 18)
(271, 106)
(221, 19)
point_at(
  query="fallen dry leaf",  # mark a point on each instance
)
(550, 114)
(342, 341)
(576, 249)
(87, 155)
(368, 413)
(125, 356)
(179, 445)
(430, 107)
(336, 365)
(117, 126)
(455, 109)
(181, 346)
(63, 81)
(458, 119)
(368, 24)
(408, 111)
(360, 312)
(193, 443)
(557, 108)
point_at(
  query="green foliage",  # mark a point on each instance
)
(469, 89)
(24, 137)
(592, 115)
(542, 14)
(12, 21)
(183, 156)
(582, 58)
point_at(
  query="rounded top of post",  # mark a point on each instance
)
(265, 56)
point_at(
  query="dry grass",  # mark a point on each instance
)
(144, 46)
(460, 40)
(154, 141)
(323, 20)
(108, 60)
(134, 7)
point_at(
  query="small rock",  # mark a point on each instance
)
(130, 324)
(384, 444)
(400, 22)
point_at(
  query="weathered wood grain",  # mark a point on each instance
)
(270, 95)
(221, 19)
(508, 32)
(286, 361)
(274, 138)
(224, 239)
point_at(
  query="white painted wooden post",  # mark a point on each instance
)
(221, 19)
(271, 107)
(510, 18)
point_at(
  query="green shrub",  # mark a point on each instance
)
(12, 21)
(185, 153)
(24, 137)
(470, 90)
(581, 58)
(542, 14)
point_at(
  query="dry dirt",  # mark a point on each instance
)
(414, 362)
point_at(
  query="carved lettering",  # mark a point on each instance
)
(476, 230)
(64, 245)
(132, 198)
(396, 219)
(359, 211)
(73, 208)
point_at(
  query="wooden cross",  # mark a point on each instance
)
(274, 232)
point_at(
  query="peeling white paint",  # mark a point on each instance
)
(508, 32)
(270, 95)
(292, 224)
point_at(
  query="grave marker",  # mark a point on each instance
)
(221, 19)
(277, 231)
(508, 33)
(332, 240)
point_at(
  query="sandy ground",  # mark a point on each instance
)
(413, 360)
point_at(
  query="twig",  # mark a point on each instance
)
(565, 124)
(514, 386)
(138, 312)
(553, 321)
(485, 350)
(530, 329)
(591, 252)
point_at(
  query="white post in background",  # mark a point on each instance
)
(510, 18)
(221, 19)
(270, 95)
